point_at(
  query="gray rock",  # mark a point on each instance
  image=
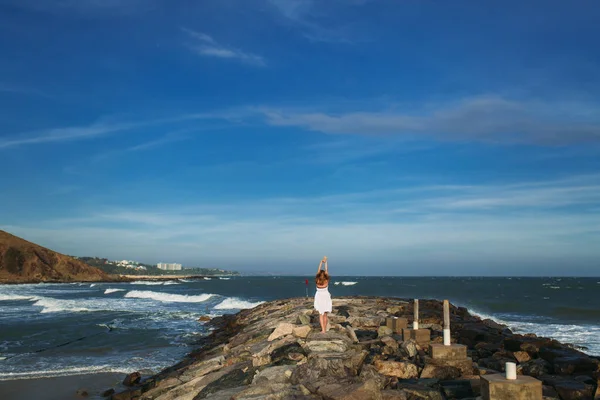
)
(323, 346)
(418, 392)
(410, 347)
(272, 391)
(132, 379)
(233, 379)
(536, 368)
(357, 391)
(278, 374)
(393, 395)
(383, 331)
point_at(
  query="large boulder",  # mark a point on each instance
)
(536, 368)
(132, 379)
(399, 369)
(301, 331)
(328, 342)
(282, 329)
(458, 389)
(410, 347)
(358, 391)
(278, 374)
(570, 389)
(419, 392)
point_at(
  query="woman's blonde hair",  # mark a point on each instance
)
(322, 278)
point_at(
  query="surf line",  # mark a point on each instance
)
(109, 327)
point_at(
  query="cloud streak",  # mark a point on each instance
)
(204, 45)
(99, 129)
(316, 23)
(488, 119)
(430, 224)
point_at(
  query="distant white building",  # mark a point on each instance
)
(169, 267)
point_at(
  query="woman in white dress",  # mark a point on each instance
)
(322, 296)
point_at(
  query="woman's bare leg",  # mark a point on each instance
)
(325, 322)
(322, 321)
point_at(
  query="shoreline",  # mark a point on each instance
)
(62, 387)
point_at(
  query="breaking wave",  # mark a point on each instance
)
(234, 303)
(9, 297)
(108, 291)
(50, 305)
(168, 297)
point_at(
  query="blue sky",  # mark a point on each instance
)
(397, 138)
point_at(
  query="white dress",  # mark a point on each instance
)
(323, 300)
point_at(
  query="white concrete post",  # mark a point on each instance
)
(511, 370)
(446, 323)
(416, 315)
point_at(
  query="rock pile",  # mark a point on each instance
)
(276, 351)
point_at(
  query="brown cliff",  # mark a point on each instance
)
(22, 261)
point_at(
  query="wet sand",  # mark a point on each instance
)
(61, 388)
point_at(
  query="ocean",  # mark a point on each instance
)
(49, 330)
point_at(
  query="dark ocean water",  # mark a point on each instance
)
(63, 329)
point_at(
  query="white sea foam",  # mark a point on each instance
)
(149, 283)
(92, 285)
(556, 287)
(234, 303)
(9, 376)
(185, 280)
(171, 283)
(108, 291)
(168, 297)
(9, 297)
(207, 279)
(50, 305)
(226, 279)
(345, 283)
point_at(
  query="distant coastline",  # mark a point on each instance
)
(115, 279)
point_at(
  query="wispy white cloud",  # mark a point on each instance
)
(206, 46)
(536, 220)
(170, 137)
(102, 128)
(315, 25)
(490, 119)
(486, 118)
(66, 134)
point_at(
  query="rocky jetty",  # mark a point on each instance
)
(276, 351)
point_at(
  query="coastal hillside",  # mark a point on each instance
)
(22, 261)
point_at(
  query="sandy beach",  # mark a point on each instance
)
(61, 388)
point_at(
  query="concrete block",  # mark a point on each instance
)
(421, 336)
(451, 352)
(497, 387)
(396, 324)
